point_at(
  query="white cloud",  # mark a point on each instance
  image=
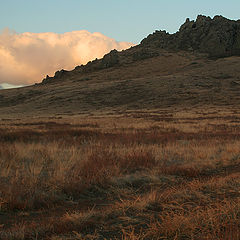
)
(27, 58)
(7, 86)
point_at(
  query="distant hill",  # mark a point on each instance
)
(196, 67)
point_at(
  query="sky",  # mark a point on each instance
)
(120, 24)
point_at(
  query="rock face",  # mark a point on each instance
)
(218, 37)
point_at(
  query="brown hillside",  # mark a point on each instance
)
(148, 76)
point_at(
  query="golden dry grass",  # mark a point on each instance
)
(147, 175)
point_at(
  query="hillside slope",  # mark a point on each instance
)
(148, 76)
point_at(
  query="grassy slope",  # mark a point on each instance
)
(176, 80)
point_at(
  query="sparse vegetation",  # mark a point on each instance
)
(150, 175)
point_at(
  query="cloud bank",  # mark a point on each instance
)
(27, 58)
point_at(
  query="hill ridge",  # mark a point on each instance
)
(143, 77)
(216, 37)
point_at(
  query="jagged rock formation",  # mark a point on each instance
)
(58, 75)
(109, 60)
(218, 37)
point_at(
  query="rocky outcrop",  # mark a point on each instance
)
(57, 76)
(111, 59)
(60, 74)
(218, 37)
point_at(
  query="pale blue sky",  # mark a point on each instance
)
(125, 20)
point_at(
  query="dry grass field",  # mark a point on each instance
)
(160, 174)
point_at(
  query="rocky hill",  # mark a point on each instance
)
(218, 37)
(196, 67)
